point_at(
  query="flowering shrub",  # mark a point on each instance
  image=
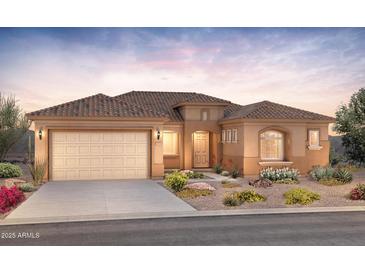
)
(176, 181)
(10, 197)
(358, 193)
(279, 174)
(300, 196)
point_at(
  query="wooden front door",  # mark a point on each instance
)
(201, 149)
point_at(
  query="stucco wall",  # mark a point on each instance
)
(296, 141)
(233, 152)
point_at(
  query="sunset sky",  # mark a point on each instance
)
(313, 69)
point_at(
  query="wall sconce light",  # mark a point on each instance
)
(158, 134)
(40, 133)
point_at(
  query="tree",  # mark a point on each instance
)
(13, 124)
(350, 121)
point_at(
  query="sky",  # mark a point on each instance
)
(315, 69)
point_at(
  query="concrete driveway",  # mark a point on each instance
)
(80, 198)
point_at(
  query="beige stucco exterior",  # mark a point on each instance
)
(243, 155)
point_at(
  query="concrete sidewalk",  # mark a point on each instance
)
(179, 214)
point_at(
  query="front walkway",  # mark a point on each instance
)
(81, 198)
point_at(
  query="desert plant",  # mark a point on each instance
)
(286, 181)
(10, 197)
(217, 168)
(279, 173)
(235, 173)
(358, 193)
(343, 175)
(176, 181)
(250, 196)
(330, 182)
(318, 173)
(26, 187)
(13, 124)
(229, 184)
(300, 196)
(231, 199)
(8, 170)
(37, 169)
(198, 175)
(225, 173)
(193, 193)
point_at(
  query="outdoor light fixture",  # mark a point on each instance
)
(40, 133)
(158, 134)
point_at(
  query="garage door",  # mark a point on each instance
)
(88, 155)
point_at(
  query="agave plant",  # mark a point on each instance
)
(343, 175)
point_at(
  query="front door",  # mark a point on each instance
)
(201, 149)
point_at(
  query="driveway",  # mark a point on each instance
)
(80, 198)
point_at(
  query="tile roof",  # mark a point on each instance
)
(270, 110)
(98, 105)
(158, 104)
(165, 101)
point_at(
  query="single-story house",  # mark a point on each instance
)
(140, 134)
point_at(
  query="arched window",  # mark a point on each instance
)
(272, 145)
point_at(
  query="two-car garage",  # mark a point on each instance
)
(90, 155)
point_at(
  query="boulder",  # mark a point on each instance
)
(13, 182)
(200, 186)
(261, 182)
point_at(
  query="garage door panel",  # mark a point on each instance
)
(87, 155)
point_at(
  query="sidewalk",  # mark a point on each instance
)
(158, 215)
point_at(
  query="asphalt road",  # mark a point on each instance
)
(347, 228)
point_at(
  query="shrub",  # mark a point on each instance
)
(286, 181)
(10, 197)
(228, 184)
(217, 168)
(225, 173)
(300, 196)
(26, 187)
(343, 175)
(238, 198)
(198, 175)
(8, 170)
(235, 173)
(358, 193)
(330, 182)
(176, 181)
(318, 173)
(279, 173)
(193, 193)
(250, 196)
(231, 199)
(37, 170)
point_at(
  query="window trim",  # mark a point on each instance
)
(177, 143)
(235, 135)
(314, 146)
(223, 136)
(228, 136)
(201, 114)
(282, 152)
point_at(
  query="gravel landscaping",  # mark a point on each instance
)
(330, 195)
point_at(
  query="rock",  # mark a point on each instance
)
(200, 186)
(261, 182)
(13, 182)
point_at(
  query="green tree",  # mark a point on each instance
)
(350, 121)
(13, 124)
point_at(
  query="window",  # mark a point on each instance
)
(313, 137)
(234, 135)
(170, 143)
(204, 115)
(223, 136)
(272, 145)
(228, 135)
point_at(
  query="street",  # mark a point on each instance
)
(340, 228)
